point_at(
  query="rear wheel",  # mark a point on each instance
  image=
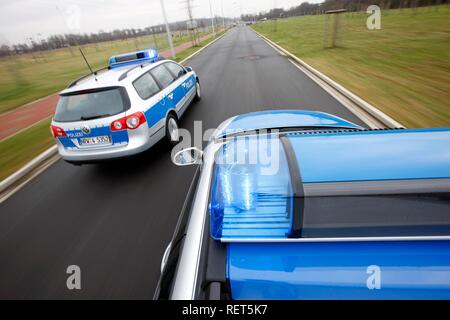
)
(172, 134)
(198, 91)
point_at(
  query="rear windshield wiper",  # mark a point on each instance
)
(95, 117)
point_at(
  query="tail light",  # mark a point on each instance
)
(131, 122)
(57, 132)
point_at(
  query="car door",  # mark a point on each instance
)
(149, 91)
(173, 251)
(167, 83)
(180, 93)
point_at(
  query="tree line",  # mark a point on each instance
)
(73, 39)
(307, 8)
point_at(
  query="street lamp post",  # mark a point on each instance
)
(223, 18)
(169, 35)
(212, 18)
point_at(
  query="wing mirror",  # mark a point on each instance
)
(187, 157)
(189, 69)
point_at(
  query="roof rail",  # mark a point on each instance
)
(75, 82)
(125, 74)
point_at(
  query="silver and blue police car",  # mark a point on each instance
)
(329, 211)
(123, 109)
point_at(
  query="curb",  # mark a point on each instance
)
(26, 169)
(364, 105)
(35, 163)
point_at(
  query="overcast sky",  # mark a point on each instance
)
(22, 19)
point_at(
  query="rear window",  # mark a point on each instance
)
(162, 75)
(91, 104)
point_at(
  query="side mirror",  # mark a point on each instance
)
(187, 157)
(189, 69)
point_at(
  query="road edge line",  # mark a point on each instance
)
(7, 185)
(204, 47)
(370, 109)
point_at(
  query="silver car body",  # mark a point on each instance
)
(172, 99)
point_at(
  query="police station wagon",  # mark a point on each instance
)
(123, 109)
(335, 211)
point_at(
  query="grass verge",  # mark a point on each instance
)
(24, 146)
(402, 69)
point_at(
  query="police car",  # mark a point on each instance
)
(332, 211)
(123, 109)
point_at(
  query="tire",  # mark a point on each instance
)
(172, 135)
(198, 91)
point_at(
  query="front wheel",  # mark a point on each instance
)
(198, 91)
(172, 134)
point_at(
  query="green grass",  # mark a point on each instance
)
(403, 69)
(24, 146)
(27, 77)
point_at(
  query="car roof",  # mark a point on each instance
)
(368, 155)
(111, 77)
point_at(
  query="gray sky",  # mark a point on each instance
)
(22, 19)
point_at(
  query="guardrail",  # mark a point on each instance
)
(364, 105)
(27, 169)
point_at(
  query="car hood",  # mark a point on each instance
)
(280, 119)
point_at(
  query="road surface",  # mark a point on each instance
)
(114, 220)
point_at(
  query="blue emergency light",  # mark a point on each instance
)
(131, 58)
(249, 198)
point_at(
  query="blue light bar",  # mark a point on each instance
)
(138, 57)
(251, 199)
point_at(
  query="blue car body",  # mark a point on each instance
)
(328, 269)
(350, 213)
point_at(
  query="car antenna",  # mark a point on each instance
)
(89, 66)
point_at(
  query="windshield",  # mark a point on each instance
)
(92, 104)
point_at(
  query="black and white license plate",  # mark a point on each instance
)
(95, 140)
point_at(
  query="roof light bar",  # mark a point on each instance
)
(137, 57)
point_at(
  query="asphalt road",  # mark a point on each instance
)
(115, 219)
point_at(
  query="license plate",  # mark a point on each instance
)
(95, 140)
